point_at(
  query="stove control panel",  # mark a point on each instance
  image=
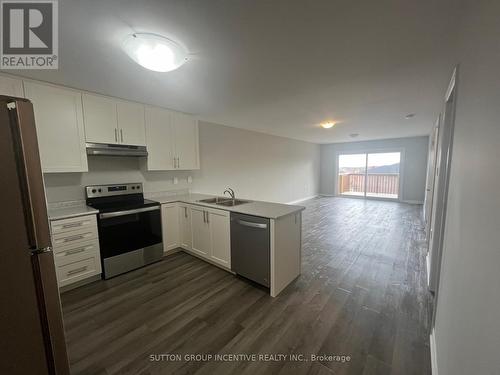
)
(95, 191)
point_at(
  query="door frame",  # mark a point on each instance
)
(441, 187)
(367, 151)
(431, 174)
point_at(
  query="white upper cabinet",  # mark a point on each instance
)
(59, 124)
(11, 87)
(172, 140)
(131, 123)
(101, 125)
(186, 141)
(159, 139)
(113, 121)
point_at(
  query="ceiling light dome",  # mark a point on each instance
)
(328, 124)
(155, 52)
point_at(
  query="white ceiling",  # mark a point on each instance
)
(279, 67)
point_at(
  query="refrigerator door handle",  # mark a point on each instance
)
(42, 250)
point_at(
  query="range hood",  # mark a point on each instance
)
(115, 150)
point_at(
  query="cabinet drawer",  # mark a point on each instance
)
(72, 238)
(72, 253)
(75, 223)
(73, 272)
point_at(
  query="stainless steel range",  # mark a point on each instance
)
(130, 233)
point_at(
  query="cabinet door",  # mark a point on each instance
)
(186, 141)
(185, 226)
(170, 226)
(220, 249)
(11, 87)
(131, 123)
(101, 124)
(201, 232)
(59, 125)
(159, 139)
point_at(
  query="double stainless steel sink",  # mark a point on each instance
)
(223, 201)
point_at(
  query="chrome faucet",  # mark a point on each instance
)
(230, 191)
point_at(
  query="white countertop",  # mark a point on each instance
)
(64, 212)
(256, 208)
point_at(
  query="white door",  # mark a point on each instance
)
(131, 123)
(443, 165)
(201, 232)
(11, 87)
(186, 141)
(170, 226)
(60, 130)
(159, 139)
(220, 238)
(101, 124)
(185, 226)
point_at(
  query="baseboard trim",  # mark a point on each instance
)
(412, 202)
(327, 195)
(303, 199)
(432, 340)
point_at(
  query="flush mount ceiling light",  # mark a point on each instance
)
(328, 124)
(155, 52)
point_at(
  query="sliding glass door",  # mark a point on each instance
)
(373, 175)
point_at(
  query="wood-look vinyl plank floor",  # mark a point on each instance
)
(362, 293)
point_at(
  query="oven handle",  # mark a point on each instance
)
(108, 215)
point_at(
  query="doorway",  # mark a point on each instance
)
(369, 174)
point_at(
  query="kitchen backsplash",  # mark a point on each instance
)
(69, 187)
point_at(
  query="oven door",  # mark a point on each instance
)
(124, 231)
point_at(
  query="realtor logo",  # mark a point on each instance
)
(29, 34)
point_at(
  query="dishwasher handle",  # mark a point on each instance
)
(250, 224)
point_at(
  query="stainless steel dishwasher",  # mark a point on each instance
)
(250, 247)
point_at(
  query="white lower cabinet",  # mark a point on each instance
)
(211, 234)
(220, 250)
(185, 232)
(201, 231)
(76, 249)
(170, 226)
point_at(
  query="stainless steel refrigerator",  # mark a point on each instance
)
(32, 334)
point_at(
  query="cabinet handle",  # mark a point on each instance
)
(77, 270)
(72, 225)
(178, 163)
(74, 238)
(116, 135)
(121, 134)
(204, 217)
(174, 163)
(185, 212)
(75, 251)
(208, 218)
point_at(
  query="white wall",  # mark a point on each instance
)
(255, 165)
(414, 163)
(467, 330)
